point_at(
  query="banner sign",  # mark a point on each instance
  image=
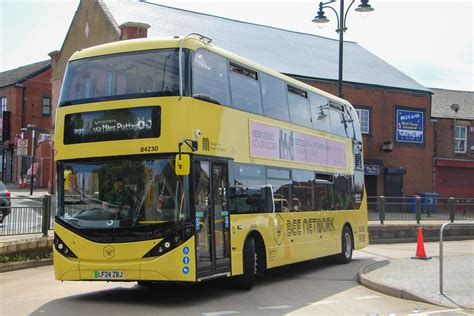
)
(268, 141)
(372, 170)
(120, 124)
(410, 126)
(43, 138)
(35, 169)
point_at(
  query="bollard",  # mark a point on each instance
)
(381, 209)
(46, 215)
(451, 209)
(418, 210)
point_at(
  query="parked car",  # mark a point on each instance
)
(5, 202)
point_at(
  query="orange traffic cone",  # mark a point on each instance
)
(420, 247)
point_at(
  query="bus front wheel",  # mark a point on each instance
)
(245, 281)
(347, 246)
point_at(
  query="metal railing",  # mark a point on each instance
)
(411, 208)
(28, 216)
(441, 256)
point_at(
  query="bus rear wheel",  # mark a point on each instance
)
(347, 247)
(246, 280)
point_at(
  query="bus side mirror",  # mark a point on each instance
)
(182, 165)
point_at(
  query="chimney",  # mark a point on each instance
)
(131, 30)
(54, 55)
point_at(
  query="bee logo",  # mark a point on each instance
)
(109, 252)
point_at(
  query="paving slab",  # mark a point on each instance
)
(419, 280)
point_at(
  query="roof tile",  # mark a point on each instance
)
(22, 73)
(442, 100)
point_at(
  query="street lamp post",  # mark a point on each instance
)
(320, 18)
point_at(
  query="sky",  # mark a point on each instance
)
(430, 41)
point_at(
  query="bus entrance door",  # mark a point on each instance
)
(212, 218)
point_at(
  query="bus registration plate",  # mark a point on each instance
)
(108, 274)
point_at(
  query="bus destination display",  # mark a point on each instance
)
(119, 124)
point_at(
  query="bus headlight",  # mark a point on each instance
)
(61, 247)
(170, 242)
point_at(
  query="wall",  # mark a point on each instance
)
(34, 90)
(454, 172)
(444, 138)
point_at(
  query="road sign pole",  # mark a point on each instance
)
(33, 140)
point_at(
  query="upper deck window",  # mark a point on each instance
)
(121, 76)
(245, 89)
(275, 103)
(320, 112)
(210, 78)
(299, 106)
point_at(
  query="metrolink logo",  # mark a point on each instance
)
(206, 144)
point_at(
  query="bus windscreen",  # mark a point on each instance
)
(121, 76)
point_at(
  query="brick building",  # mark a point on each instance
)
(394, 109)
(453, 119)
(25, 95)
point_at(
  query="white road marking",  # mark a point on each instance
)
(275, 307)
(221, 313)
(323, 303)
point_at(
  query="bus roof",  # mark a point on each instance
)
(194, 44)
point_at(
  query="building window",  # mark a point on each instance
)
(4, 103)
(460, 139)
(46, 106)
(364, 118)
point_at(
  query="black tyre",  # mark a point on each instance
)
(246, 280)
(347, 247)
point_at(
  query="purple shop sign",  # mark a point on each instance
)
(272, 142)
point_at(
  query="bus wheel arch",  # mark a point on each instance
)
(347, 245)
(252, 256)
(260, 252)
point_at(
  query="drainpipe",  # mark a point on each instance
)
(23, 102)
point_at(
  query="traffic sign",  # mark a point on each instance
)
(22, 148)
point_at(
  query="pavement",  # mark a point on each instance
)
(25, 192)
(394, 273)
(399, 274)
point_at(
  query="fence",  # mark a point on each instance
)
(36, 215)
(419, 209)
(28, 216)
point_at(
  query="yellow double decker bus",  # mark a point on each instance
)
(180, 161)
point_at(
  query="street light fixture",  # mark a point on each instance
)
(320, 19)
